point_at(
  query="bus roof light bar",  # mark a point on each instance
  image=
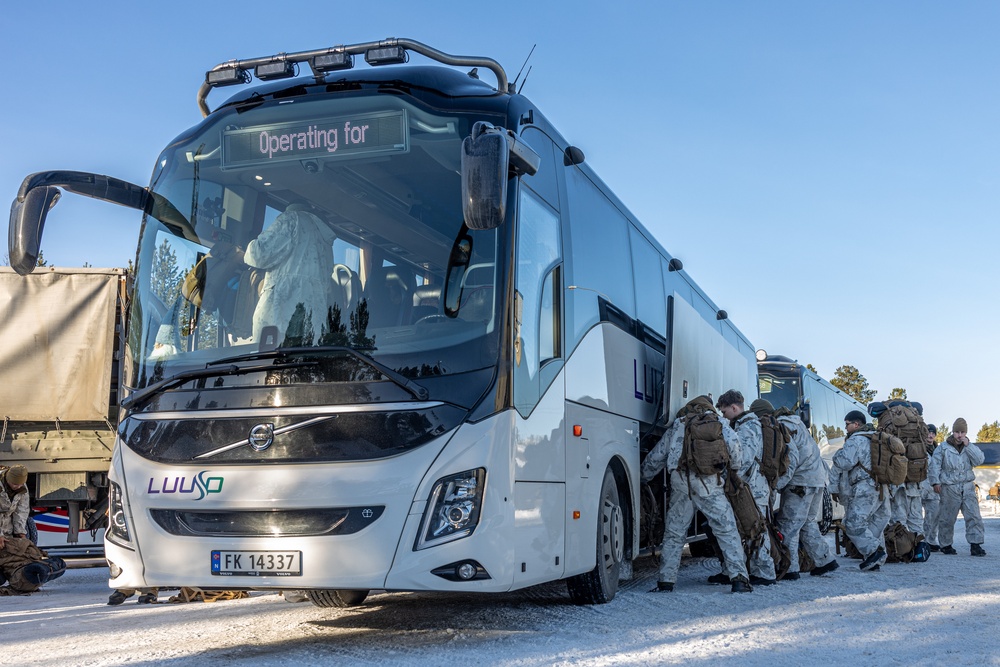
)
(384, 52)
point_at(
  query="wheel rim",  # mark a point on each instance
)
(612, 534)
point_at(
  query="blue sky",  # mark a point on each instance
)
(828, 172)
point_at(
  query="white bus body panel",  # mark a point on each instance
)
(703, 362)
(379, 556)
(602, 398)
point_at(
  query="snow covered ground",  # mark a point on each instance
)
(944, 611)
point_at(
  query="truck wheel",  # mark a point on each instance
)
(600, 584)
(32, 531)
(333, 597)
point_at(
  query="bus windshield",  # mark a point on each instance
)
(782, 390)
(315, 223)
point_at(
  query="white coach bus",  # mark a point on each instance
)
(388, 331)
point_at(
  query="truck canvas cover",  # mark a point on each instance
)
(56, 342)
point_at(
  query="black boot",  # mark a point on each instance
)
(719, 578)
(877, 557)
(741, 585)
(823, 569)
(977, 550)
(663, 587)
(761, 581)
(117, 598)
(948, 550)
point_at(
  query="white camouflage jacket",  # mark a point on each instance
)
(854, 460)
(13, 511)
(951, 466)
(752, 445)
(805, 465)
(667, 451)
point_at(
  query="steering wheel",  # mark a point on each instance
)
(427, 319)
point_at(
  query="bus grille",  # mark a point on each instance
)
(267, 523)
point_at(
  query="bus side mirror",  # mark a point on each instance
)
(40, 191)
(484, 177)
(27, 219)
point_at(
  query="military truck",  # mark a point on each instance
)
(61, 331)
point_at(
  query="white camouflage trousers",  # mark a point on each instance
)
(761, 564)
(689, 492)
(797, 523)
(907, 509)
(932, 509)
(865, 518)
(955, 497)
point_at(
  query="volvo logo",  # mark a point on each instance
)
(261, 437)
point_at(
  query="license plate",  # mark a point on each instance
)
(257, 563)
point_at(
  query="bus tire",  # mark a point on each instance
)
(601, 584)
(826, 514)
(32, 531)
(334, 597)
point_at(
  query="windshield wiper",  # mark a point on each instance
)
(417, 391)
(140, 397)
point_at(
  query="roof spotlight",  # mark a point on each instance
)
(331, 62)
(276, 69)
(227, 76)
(387, 55)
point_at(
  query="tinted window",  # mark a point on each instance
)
(535, 306)
(601, 263)
(544, 181)
(651, 305)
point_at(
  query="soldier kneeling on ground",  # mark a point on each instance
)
(24, 567)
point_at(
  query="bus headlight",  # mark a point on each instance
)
(453, 508)
(117, 524)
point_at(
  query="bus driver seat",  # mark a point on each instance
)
(389, 293)
(346, 288)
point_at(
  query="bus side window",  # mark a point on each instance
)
(538, 246)
(543, 182)
(549, 331)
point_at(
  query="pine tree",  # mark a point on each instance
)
(898, 393)
(850, 381)
(989, 433)
(165, 277)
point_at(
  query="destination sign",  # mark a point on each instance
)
(329, 138)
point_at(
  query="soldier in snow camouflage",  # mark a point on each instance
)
(690, 491)
(951, 474)
(747, 427)
(867, 507)
(802, 488)
(930, 500)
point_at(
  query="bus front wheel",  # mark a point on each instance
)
(337, 597)
(600, 584)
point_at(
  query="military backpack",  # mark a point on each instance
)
(889, 462)
(705, 451)
(774, 455)
(903, 545)
(903, 421)
(749, 521)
